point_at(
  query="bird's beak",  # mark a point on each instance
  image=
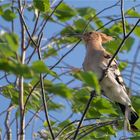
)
(76, 35)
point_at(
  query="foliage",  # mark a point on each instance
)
(66, 88)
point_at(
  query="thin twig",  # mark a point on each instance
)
(123, 18)
(27, 29)
(85, 111)
(44, 97)
(99, 125)
(7, 122)
(34, 29)
(71, 123)
(34, 115)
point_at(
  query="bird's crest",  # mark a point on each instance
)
(105, 38)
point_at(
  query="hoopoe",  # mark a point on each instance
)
(96, 60)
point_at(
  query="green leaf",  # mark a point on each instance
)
(137, 124)
(11, 92)
(64, 123)
(137, 31)
(134, 138)
(88, 78)
(132, 12)
(55, 106)
(86, 12)
(128, 44)
(122, 65)
(113, 45)
(12, 40)
(80, 24)
(104, 106)
(116, 28)
(136, 103)
(40, 67)
(8, 15)
(15, 68)
(98, 22)
(1, 10)
(64, 12)
(61, 90)
(45, 124)
(42, 5)
(82, 95)
(8, 44)
(50, 52)
(108, 130)
(68, 31)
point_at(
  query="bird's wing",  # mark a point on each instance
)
(115, 73)
(116, 76)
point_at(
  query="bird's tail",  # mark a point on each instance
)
(133, 116)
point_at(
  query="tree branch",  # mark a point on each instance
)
(85, 111)
(44, 97)
(21, 79)
(99, 126)
(7, 122)
(123, 18)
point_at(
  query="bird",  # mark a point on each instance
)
(111, 81)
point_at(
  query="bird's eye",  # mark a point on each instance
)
(90, 33)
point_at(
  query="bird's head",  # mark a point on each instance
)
(96, 37)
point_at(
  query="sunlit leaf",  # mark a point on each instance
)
(55, 106)
(104, 106)
(64, 123)
(136, 103)
(86, 12)
(50, 52)
(12, 40)
(122, 65)
(132, 12)
(137, 124)
(128, 44)
(1, 10)
(113, 45)
(9, 44)
(80, 24)
(61, 90)
(88, 78)
(64, 12)
(15, 68)
(8, 15)
(40, 67)
(98, 22)
(137, 31)
(42, 5)
(11, 92)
